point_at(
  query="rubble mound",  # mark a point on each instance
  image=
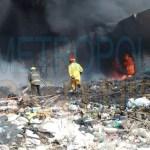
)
(62, 121)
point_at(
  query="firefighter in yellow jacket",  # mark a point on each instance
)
(75, 70)
(34, 79)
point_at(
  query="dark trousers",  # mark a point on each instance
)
(35, 89)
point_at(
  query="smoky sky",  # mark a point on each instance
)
(4, 9)
(28, 17)
(63, 15)
(68, 15)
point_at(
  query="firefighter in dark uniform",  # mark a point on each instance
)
(34, 79)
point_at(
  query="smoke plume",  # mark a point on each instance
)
(13, 75)
(70, 15)
(67, 15)
(4, 9)
(47, 17)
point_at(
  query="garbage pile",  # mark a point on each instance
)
(118, 92)
(53, 123)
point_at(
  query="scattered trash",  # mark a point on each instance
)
(4, 147)
(141, 132)
(51, 123)
(117, 124)
(73, 107)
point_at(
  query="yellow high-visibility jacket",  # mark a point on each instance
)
(75, 70)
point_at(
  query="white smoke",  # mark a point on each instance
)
(13, 74)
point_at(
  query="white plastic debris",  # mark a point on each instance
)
(65, 130)
(20, 121)
(12, 117)
(35, 121)
(56, 109)
(4, 147)
(139, 102)
(73, 107)
(22, 148)
(122, 145)
(105, 116)
(143, 101)
(9, 105)
(30, 134)
(42, 147)
(32, 141)
(141, 132)
(143, 148)
(113, 130)
(94, 87)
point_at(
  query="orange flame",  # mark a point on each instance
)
(129, 66)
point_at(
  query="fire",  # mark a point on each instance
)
(118, 76)
(128, 67)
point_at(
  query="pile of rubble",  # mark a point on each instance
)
(53, 122)
(115, 91)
